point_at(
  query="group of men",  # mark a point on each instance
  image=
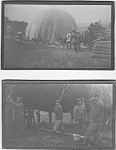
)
(90, 131)
(88, 125)
(10, 33)
(18, 115)
(73, 38)
(30, 116)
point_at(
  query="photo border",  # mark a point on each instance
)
(60, 3)
(16, 81)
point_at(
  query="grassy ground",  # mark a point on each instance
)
(35, 138)
(27, 55)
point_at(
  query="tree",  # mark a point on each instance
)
(90, 35)
(17, 26)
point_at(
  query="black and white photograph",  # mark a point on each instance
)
(57, 35)
(58, 114)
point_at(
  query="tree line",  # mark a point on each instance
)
(17, 26)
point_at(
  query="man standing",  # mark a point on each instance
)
(72, 117)
(38, 116)
(8, 111)
(50, 116)
(18, 113)
(78, 41)
(74, 39)
(58, 116)
(95, 119)
(33, 116)
(29, 118)
(68, 39)
(61, 42)
(10, 33)
(80, 116)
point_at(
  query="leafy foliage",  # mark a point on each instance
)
(17, 26)
(90, 35)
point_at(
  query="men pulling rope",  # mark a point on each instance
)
(95, 119)
(91, 134)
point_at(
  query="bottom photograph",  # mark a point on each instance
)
(58, 114)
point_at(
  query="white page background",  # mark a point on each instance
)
(52, 75)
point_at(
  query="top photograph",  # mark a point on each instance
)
(57, 35)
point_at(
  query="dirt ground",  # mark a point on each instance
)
(33, 138)
(35, 56)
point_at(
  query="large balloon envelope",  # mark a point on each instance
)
(43, 96)
(50, 25)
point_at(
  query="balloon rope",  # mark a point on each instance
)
(68, 90)
(67, 108)
(42, 90)
(45, 90)
(63, 91)
(10, 92)
(55, 91)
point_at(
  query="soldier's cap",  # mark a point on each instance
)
(97, 95)
(58, 101)
(74, 31)
(78, 99)
(19, 98)
(92, 99)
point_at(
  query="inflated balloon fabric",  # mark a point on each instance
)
(50, 25)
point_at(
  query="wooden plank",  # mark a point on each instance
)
(101, 49)
(102, 52)
(105, 46)
(99, 56)
(103, 42)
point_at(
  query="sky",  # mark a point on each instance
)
(81, 13)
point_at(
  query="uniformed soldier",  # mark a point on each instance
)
(74, 39)
(50, 116)
(18, 113)
(58, 116)
(38, 116)
(78, 41)
(9, 31)
(80, 116)
(95, 119)
(68, 39)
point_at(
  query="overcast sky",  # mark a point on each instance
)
(81, 13)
